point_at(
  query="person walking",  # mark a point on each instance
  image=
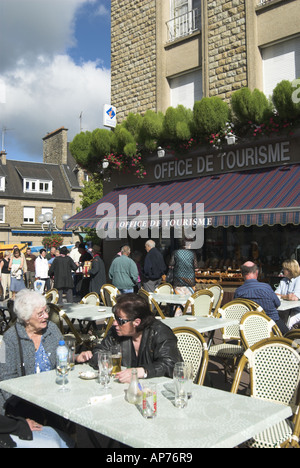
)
(42, 269)
(97, 271)
(61, 269)
(30, 259)
(154, 267)
(16, 265)
(5, 274)
(123, 272)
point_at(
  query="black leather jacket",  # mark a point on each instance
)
(158, 351)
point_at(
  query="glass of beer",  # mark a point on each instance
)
(116, 354)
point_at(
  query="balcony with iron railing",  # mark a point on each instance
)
(184, 25)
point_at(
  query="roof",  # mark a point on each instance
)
(15, 171)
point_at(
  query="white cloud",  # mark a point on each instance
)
(51, 95)
(43, 89)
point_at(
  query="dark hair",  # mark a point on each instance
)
(246, 270)
(43, 250)
(135, 306)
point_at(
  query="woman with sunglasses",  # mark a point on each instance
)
(146, 343)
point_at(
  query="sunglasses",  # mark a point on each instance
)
(121, 321)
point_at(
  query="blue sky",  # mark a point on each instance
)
(55, 65)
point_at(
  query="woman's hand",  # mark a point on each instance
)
(34, 426)
(84, 357)
(125, 375)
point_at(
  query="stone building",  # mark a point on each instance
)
(166, 53)
(29, 189)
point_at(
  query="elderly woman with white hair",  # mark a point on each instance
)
(27, 348)
(30, 345)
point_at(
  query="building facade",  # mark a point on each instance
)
(30, 189)
(170, 52)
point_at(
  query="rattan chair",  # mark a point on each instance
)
(251, 304)
(257, 326)
(52, 296)
(108, 295)
(85, 341)
(218, 293)
(152, 303)
(293, 335)
(54, 316)
(201, 303)
(91, 298)
(193, 348)
(274, 375)
(164, 288)
(231, 348)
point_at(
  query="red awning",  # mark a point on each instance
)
(260, 197)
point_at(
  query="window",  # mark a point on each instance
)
(2, 214)
(185, 18)
(2, 184)
(280, 62)
(186, 89)
(29, 215)
(37, 186)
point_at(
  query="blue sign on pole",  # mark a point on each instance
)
(109, 116)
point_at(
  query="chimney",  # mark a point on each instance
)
(55, 147)
(3, 155)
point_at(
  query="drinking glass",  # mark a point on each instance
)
(63, 371)
(105, 368)
(116, 353)
(149, 400)
(190, 378)
(180, 382)
(71, 345)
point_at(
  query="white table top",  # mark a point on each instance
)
(86, 311)
(213, 418)
(287, 305)
(201, 324)
(179, 299)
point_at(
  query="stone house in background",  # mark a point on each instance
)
(30, 189)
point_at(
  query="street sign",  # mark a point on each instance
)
(109, 116)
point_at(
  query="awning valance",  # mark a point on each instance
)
(260, 197)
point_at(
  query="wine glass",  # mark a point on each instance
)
(63, 370)
(105, 368)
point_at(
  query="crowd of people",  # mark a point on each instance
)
(147, 344)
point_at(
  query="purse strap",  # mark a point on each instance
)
(21, 353)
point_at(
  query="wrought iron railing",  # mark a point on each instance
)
(184, 25)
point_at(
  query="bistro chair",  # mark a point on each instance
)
(231, 348)
(201, 303)
(54, 316)
(251, 304)
(193, 348)
(274, 375)
(52, 296)
(152, 302)
(82, 340)
(164, 288)
(293, 335)
(108, 295)
(218, 293)
(257, 326)
(91, 298)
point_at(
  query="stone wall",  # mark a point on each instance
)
(133, 56)
(227, 50)
(55, 146)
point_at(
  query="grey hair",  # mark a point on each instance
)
(150, 243)
(26, 302)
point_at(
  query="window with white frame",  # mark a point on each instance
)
(37, 186)
(29, 215)
(2, 214)
(185, 18)
(281, 61)
(2, 184)
(186, 89)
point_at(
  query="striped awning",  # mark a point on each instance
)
(260, 197)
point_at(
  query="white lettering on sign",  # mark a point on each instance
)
(241, 158)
